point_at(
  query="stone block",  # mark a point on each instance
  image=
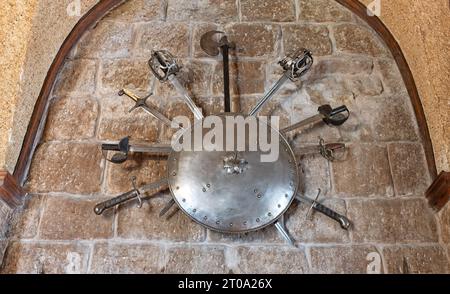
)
(314, 38)
(391, 76)
(71, 118)
(26, 219)
(219, 11)
(254, 40)
(145, 223)
(78, 77)
(64, 167)
(195, 260)
(351, 38)
(364, 171)
(444, 219)
(323, 11)
(173, 37)
(268, 10)
(314, 174)
(271, 260)
(106, 40)
(391, 118)
(392, 221)
(44, 258)
(133, 74)
(430, 259)
(137, 11)
(73, 219)
(146, 168)
(266, 235)
(341, 66)
(344, 259)
(409, 168)
(127, 258)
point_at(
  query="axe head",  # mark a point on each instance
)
(212, 41)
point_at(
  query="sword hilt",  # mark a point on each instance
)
(297, 64)
(342, 220)
(135, 193)
(334, 116)
(163, 64)
(123, 148)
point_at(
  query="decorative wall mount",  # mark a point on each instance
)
(230, 191)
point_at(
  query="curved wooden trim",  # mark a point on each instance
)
(31, 137)
(375, 23)
(98, 11)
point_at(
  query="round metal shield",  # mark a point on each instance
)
(231, 191)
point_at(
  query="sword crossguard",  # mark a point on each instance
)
(313, 204)
(122, 148)
(327, 150)
(297, 64)
(163, 64)
(139, 102)
(138, 193)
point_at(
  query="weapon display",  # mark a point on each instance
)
(231, 191)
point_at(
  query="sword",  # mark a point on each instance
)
(123, 149)
(142, 103)
(164, 67)
(331, 116)
(326, 150)
(342, 220)
(294, 67)
(133, 194)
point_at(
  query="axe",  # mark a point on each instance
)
(212, 43)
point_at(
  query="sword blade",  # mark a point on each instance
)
(311, 120)
(187, 98)
(153, 186)
(156, 114)
(151, 149)
(269, 94)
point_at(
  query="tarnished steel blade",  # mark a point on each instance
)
(281, 227)
(167, 207)
(210, 42)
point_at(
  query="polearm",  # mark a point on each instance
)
(211, 42)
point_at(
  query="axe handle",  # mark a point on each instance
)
(226, 77)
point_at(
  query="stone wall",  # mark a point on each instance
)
(5, 216)
(38, 35)
(379, 184)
